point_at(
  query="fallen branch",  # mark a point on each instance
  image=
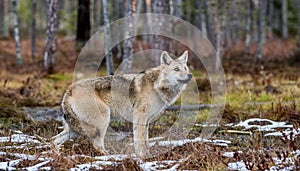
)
(193, 107)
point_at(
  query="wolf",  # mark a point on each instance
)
(89, 104)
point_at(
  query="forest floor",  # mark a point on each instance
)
(259, 129)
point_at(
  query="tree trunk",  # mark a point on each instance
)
(270, 19)
(204, 18)
(159, 42)
(284, 20)
(108, 55)
(219, 20)
(33, 20)
(298, 43)
(178, 8)
(249, 9)
(3, 19)
(16, 31)
(50, 49)
(83, 22)
(234, 21)
(71, 17)
(128, 43)
(260, 29)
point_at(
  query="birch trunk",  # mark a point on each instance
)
(3, 19)
(108, 55)
(270, 19)
(249, 9)
(284, 20)
(217, 10)
(204, 18)
(298, 43)
(178, 8)
(234, 21)
(260, 29)
(16, 31)
(33, 25)
(128, 43)
(159, 42)
(50, 49)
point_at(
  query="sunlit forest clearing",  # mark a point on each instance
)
(258, 42)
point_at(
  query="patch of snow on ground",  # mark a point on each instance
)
(237, 166)
(230, 154)
(113, 157)
(19, 138)
(18, 155)
(159, 165)
(269, 127)
(295, 132)
(9, 164)
(184, 141)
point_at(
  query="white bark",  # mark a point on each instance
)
(108, 55)
(249, 8)
(260, 29)
(16, 31)
(50, 49)
(128, 43)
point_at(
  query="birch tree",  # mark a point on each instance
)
(159, 42)
(16, 31)
(270, 19)
(108, 54)
(128, 43)
(217, 9)
(249, 16)
(298, 25)
(260, 29)
(50, 49)
(234, 21)
(33, 21)
(178, 8)
(284, 20)
(3, 19)
(204, 18)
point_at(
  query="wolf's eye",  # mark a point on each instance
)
(176, 69)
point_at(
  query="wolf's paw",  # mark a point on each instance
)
(142, 152)
(101, 151)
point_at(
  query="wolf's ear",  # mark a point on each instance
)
(184, 57)
(165, 58)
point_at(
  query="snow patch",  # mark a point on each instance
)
(237, 166)
(271, 126)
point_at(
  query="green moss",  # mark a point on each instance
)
(61, 77)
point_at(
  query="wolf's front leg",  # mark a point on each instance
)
(140, 136)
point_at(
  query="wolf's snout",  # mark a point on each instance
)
(190, 76)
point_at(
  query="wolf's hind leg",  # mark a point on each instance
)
(66, 134)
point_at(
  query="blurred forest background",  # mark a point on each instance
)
(258, 42)
(265, 30)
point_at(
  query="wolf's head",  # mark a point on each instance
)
(175, 71)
